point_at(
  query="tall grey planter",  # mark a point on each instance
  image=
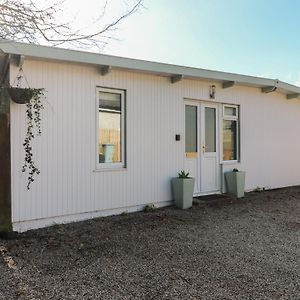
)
(235, 183)
(183, 190)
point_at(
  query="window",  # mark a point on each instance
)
(190, 128)
(210, 129)
(230, 133)
(111, 127)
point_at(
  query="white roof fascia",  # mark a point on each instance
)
(288, 87)
(162, 69)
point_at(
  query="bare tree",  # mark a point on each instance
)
(36, 22)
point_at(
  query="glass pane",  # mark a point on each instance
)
(109, 127)
(210, 129)
(190, 128)
(229, 140)
(230, 111)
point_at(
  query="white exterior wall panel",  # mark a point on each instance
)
(269, 144)
(69, 184)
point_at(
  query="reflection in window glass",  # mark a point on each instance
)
(229, 140)
(110, 125)
(230, 111)
(210, 129)
(190, 128)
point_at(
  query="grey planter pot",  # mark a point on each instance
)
(183, 190)
(235, 183)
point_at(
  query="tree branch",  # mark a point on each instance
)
(25, 21)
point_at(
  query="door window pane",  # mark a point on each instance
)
(229, 140)
(110, 124)
(210, 129)
(190, 128)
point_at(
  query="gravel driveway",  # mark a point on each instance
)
(220, 249)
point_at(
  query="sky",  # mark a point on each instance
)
(253, 37)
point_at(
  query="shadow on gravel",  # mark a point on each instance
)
(221, 248)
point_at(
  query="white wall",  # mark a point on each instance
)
(69, 184)
(269, 138)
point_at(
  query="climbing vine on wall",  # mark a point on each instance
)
(33, 118)
(32, 97)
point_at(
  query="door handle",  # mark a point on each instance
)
(203, 148)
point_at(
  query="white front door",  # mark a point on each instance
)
(202, 146)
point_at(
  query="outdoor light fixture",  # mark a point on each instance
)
(212, 92)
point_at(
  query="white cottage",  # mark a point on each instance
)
(116, 130)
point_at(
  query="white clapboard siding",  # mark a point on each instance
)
(69, 183)
(66, 152)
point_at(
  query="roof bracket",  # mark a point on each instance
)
(270, 89)
(105, 70)
(5, 69)
(18, 60)
(292, 96)
(228, 84)
(176, 78)
(21, 60)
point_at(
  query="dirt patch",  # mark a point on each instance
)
(226, 249)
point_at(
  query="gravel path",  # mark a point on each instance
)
(223, 249)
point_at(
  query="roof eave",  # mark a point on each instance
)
(162, 69)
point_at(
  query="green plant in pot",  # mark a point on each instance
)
(20, 95)
(183, 190)
(32, 98)
(235, 183)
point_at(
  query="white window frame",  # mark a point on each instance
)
(232, 118)
(115, 165)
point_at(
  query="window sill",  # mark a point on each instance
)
(230, 162)
(109, 169)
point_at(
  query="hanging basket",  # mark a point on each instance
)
(20, 95)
